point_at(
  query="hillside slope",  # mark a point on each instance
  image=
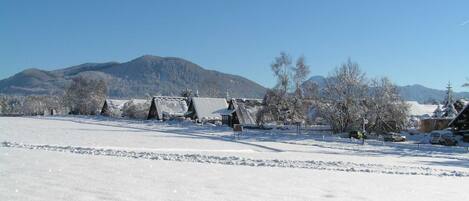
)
(146, 75)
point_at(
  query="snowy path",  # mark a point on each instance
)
(234, 160)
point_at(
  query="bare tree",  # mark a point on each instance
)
(348, 100)
(386, 111)
(282, 70)
(85, 96)
(301, 72)
(136, 109)
(342, 100)
(466, 84)
(186, 93)
(281, 103)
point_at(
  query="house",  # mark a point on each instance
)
(207, 109)
(166, 107)
(113, 108)
(243, 111)
(461, 122)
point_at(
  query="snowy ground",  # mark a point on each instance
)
(82, 158)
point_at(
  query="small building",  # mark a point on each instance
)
(166, 107)
(461, 122)
(113, 108)
(243, 112)
(207, 109)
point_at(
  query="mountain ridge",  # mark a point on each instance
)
(156, 75)
(145, 75)
(414, 92)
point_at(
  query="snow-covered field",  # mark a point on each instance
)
(83, 158)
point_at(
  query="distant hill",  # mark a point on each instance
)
(414, 92)
(148, 74)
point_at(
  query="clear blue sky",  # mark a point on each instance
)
(425, 42)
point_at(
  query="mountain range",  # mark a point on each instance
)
(146, 75)
(154, 75)
(414, 92)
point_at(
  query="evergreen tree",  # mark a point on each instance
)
(449, 110)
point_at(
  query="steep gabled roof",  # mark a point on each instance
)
(113, 107)
(246, 110)
(167, 105)
(208, 108)
(462, 119)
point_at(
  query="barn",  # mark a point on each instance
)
(207, 109)
(113, 107)
(243, 112)
(167, 107)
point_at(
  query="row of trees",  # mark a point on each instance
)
(347, 101)
(84, 96)
(31, 105)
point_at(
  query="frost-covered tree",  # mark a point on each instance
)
(186, 93)
(11, 105)
(42, 105)
(348, 99)
(284, 103)
(281, 68)
(85, 96)
(136, 109)
(449, 110)
(342, 101)
(34, 105)
(386, 111)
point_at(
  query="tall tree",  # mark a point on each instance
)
(281, 102)
(342, 101)
(282, 67)
(301, 72)
(348, 99)
(386, 111)
(85, 96)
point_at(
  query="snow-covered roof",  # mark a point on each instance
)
(140, 101)
(171, 106)
(246, 110)
(116, 103)
(209, 108)
(460, 115)
(417, 109)
(113, 107)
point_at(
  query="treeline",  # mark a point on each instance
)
(31, 105)
(84, 96)
(348, 101)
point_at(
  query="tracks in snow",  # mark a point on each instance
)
(240, 161)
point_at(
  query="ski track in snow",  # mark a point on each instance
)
(240, 161)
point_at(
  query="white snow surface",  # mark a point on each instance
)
(209, 108)
(417, 109)
(90, 158)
